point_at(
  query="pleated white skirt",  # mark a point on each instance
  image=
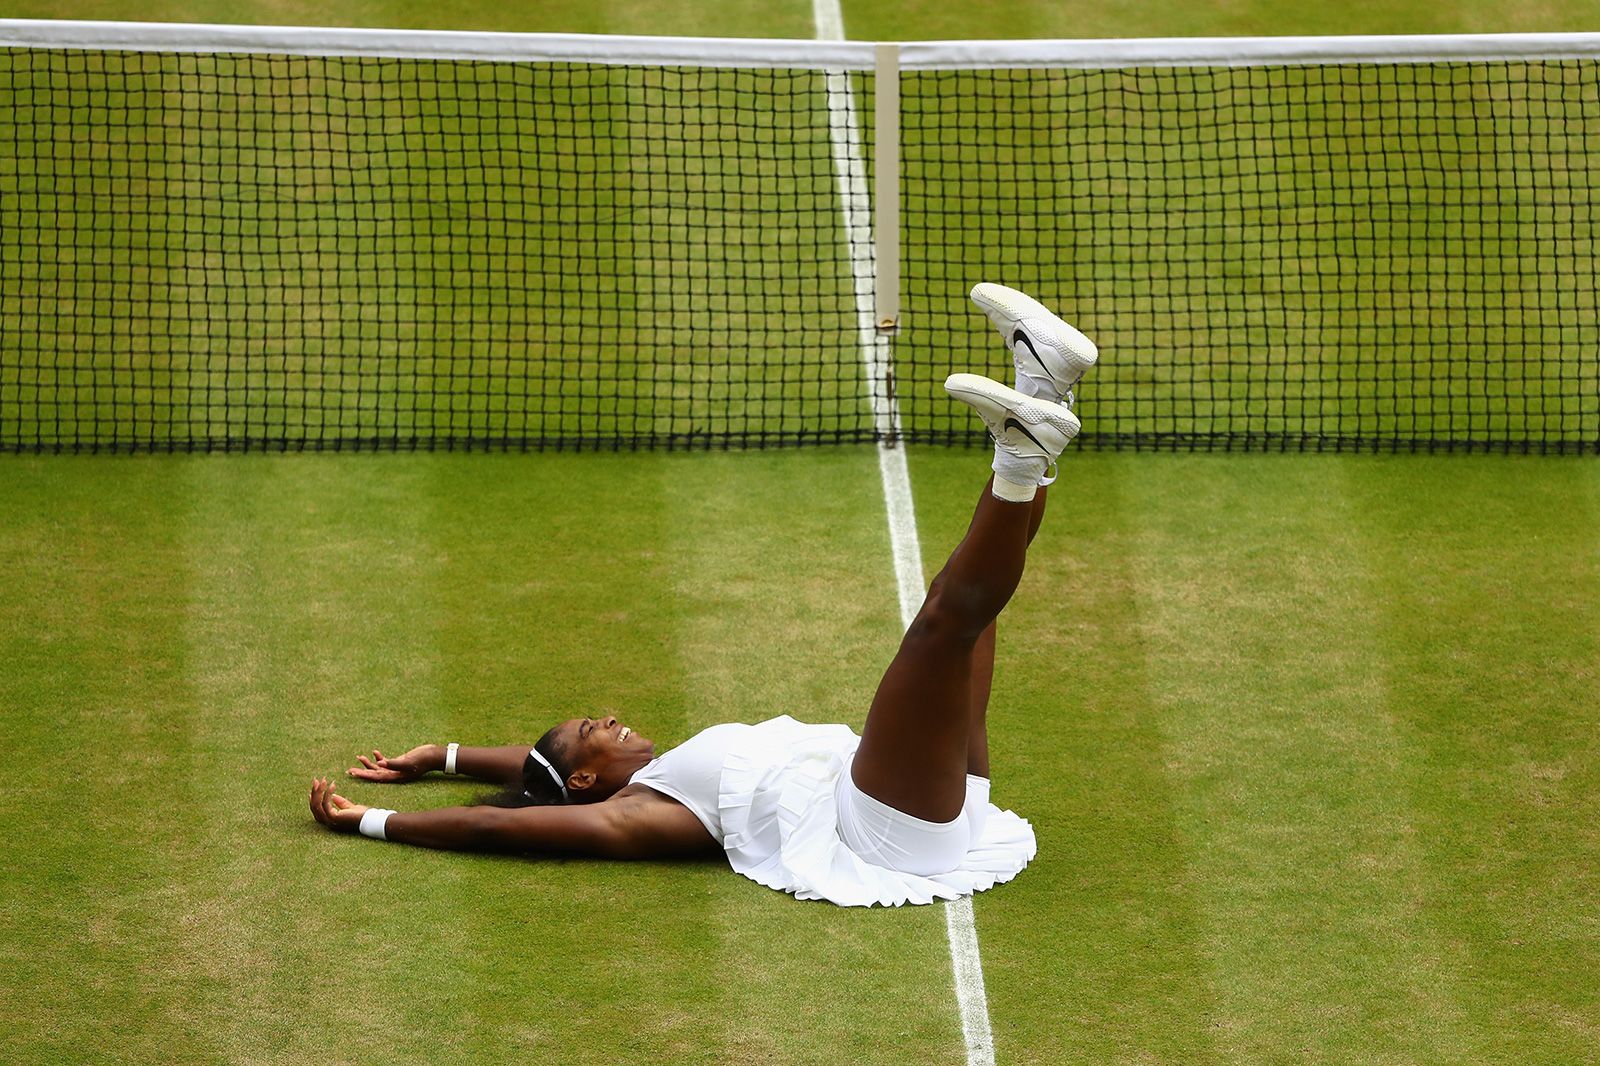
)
(781, 829)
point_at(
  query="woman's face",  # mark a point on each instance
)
(601, 754)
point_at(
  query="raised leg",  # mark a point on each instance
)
(978, 713)
(914, 747)
(926, 729)
(983, 673)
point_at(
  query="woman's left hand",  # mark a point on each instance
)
(332, 809)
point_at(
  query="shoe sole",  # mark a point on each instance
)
(1019, 305)
(1034, 412)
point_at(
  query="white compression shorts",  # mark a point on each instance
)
(884, 836)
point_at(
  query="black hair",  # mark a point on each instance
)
(539, 787)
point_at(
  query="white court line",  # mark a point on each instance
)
(850, 165)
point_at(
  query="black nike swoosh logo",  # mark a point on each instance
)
(1012, 423)
(1023, 338)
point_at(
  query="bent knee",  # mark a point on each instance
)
(944, 619)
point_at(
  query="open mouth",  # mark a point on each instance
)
(623, 734)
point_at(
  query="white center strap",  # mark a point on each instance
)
(373, 821)
(450, 758)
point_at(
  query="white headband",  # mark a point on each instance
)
(562, 785)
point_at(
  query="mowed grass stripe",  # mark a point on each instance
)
(1293, 778)
(1091, 954)
(918, 20)
(96, 711)
(306, 628)
(554, 593)
(783, 569)
(1489, 610)
(668, 17)
(894, 20)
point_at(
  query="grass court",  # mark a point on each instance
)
(1310, 742)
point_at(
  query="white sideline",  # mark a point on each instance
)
(849, 160)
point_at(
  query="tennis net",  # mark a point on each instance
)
(236, 238)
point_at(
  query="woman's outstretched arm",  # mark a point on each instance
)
(636, 823)
(501, 765)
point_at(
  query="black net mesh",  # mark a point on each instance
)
(202, 251)
(1352, 256)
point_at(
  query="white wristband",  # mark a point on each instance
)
(373, 821)
(450, 758)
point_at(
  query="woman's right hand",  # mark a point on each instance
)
(332, 809)
(400, 769)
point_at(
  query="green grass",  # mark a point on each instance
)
(887, 20)
(915, 20)
(1308, 743)
(727, 18)
(1312, 744)
(176, 674)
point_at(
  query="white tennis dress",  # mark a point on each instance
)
(767, 793)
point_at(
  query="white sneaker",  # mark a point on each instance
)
(1025, 427)
(1050, 356)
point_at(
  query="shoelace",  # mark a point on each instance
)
(1052, 471)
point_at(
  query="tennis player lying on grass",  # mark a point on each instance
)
(900, 815)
